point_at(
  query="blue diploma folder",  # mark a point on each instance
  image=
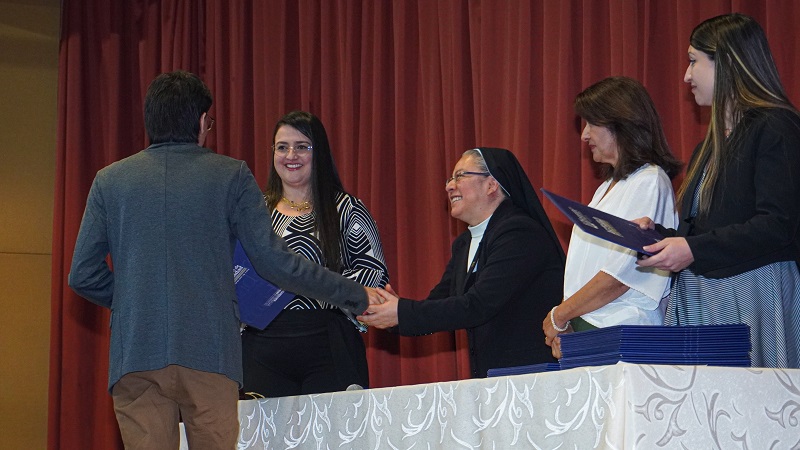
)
(259, 300)
(604, 225)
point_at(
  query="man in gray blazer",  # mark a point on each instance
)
(169, 216)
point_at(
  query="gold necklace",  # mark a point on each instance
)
(299, 207)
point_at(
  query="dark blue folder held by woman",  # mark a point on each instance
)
(605, 226)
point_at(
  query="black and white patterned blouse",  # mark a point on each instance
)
(362, 254)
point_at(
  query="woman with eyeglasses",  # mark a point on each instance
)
(313, 346)
(736, 249)
(603, 286)
(504, 273)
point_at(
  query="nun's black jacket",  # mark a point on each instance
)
(518, 279)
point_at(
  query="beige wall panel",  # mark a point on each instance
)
(29, 33)
(24, 350)
(29, 70)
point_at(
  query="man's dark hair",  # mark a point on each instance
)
(173, 106)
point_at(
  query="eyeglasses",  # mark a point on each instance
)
(210, 122)
(460, 176)
(299, 149)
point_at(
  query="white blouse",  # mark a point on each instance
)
(647, 192)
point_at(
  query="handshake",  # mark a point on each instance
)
(382, 310)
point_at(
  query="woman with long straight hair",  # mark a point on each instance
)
(735, 251)
(313, 346)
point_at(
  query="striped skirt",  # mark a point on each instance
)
(767, 299)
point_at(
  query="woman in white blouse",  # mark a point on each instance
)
(603, 286)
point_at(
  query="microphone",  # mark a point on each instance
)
(354, 387)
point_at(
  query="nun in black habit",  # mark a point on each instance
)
(505, 272)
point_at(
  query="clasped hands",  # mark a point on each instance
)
(382, 310)
(551, 335)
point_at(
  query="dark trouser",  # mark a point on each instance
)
(149, 405)
(304, 352)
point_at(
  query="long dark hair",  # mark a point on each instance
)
(745, 77)
(623, 105)
(325, 185)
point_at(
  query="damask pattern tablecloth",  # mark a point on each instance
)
(624, 406)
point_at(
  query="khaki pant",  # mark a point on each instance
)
(149, 405)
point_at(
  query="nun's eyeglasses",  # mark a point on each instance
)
(460, 176)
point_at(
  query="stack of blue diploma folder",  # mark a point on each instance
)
(713, 345)
(706, 345)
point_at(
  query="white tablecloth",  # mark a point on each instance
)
(624, 406)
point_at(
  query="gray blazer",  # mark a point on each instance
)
(170, 216)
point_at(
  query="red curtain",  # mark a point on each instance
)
(403, 89)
